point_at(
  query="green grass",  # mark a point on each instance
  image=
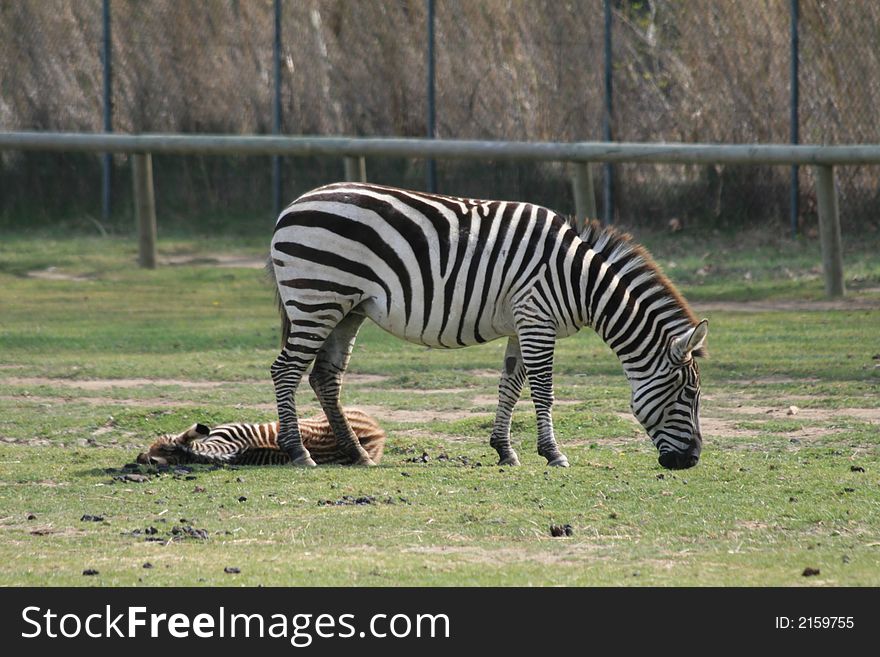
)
(91, 369)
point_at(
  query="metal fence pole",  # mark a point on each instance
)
(431, 181)
(793, 121)
(608, 214)
(276, 111)
(144, 208)
(106, 159)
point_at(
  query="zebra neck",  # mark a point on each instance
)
(195, 455)
(631, 310)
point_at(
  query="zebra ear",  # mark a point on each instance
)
(195, 432)
(692, 343)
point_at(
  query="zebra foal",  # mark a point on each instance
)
(242, 443)
(450, 272)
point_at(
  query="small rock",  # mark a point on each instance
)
(31, 516)
(231, 570)
(148, 565)
(792, 410)
(792, 499)
(856, 468)
(90, 518)
(845, 558)
(199, 489)
(242, 499)
(240, 480)
(90, 572)
(810, 572)
(135, 478)
(849, 490)
(405, 474)
(612, 516)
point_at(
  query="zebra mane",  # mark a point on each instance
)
(625, 256)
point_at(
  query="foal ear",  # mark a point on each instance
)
(691, 343)
(195, 432)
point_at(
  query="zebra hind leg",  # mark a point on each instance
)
(287, 371)
(509, 389)
(326, 380)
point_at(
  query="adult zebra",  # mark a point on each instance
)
(452, 272)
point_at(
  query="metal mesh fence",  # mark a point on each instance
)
(700, 71)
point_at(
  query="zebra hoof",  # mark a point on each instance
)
(559, 462)
(367, 462)
(304, 461)
(511, 459)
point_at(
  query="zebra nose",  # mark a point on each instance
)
(678, 461)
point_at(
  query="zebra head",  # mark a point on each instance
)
(169, 448)
(667, 402)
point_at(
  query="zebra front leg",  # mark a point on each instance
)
(287, 371)
(536, 345)
(509, 389)
(326, 380)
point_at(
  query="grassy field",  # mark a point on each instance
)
(97, 357)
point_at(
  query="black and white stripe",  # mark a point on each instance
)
(247, 443)
(450, 272)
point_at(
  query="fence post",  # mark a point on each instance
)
(584, 195)
(144, 208)
(829, 231)
(355, 169)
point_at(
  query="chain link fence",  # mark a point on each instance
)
(700, 71)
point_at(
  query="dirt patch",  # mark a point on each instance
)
(486, 374)
(871, 415)
(53, 274)
(848, 303)
(425, 415)
(106, 384)
(109, 384)
(573, 552)
(152, 402)
(216, 260)
(423, 391)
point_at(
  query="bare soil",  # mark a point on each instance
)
(721, 417)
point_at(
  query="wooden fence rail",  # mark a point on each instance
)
(580, 155)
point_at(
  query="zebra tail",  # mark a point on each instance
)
(279, 304)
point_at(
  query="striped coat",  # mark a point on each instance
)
(448, 272)
(257, 444)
